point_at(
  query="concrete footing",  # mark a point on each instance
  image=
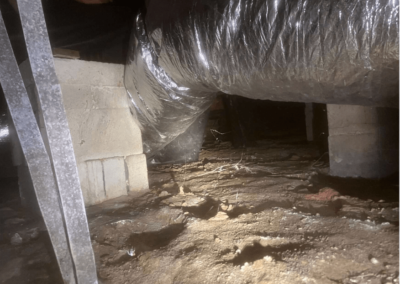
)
(363, 141)
(107, 142)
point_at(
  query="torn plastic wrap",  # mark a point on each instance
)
(338, 52)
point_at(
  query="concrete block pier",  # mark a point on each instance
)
(107, 142)
(363, 141)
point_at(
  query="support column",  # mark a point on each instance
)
(309, 121)
(363, 141)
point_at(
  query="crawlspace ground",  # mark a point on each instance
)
(269, 214)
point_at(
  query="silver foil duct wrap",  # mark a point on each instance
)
(186, 51)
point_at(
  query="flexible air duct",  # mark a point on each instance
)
(183, 52)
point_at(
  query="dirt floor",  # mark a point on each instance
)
(268, 214)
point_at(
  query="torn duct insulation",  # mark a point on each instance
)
(184, 52)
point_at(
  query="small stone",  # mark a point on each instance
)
(131, 252)
(354, 280)
(374, 260)
(224, 207)
(268, 258)
(34, 233)
(16, 240)
(220, 216)
(163, 193)
(181, 190)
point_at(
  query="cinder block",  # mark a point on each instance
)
(77, 97)
(75, 72)
(114, 177)
(105, 97)
(344, 115)
(93, 97)
(137, 172)
(354, 156)
(363, 141)
(92, 182)
(101, 125)
(103, 133)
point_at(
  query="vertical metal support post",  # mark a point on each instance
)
(35, 153)
(309, 121)
(59, 138)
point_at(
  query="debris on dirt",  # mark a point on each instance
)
(374, 260)
(325, 194)
(255, 215)
(16, 239)
(163, 194)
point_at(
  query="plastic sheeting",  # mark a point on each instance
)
(340, 52)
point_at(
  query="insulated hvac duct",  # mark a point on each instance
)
(183, 52)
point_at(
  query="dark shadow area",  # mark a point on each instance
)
(154, 240)
(243, 121)
(206, 210)
(278, 253)
(98, 32)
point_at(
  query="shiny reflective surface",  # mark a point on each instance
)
(341, 52)
(35, 154)
(59, 138)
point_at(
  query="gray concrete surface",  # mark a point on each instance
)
(363, 141)
(106, 140)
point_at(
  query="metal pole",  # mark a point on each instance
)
(59, 137)
(35, 153)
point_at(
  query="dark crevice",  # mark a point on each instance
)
(206, 210)
(186, 250)
(278, 253)
(154, 240)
